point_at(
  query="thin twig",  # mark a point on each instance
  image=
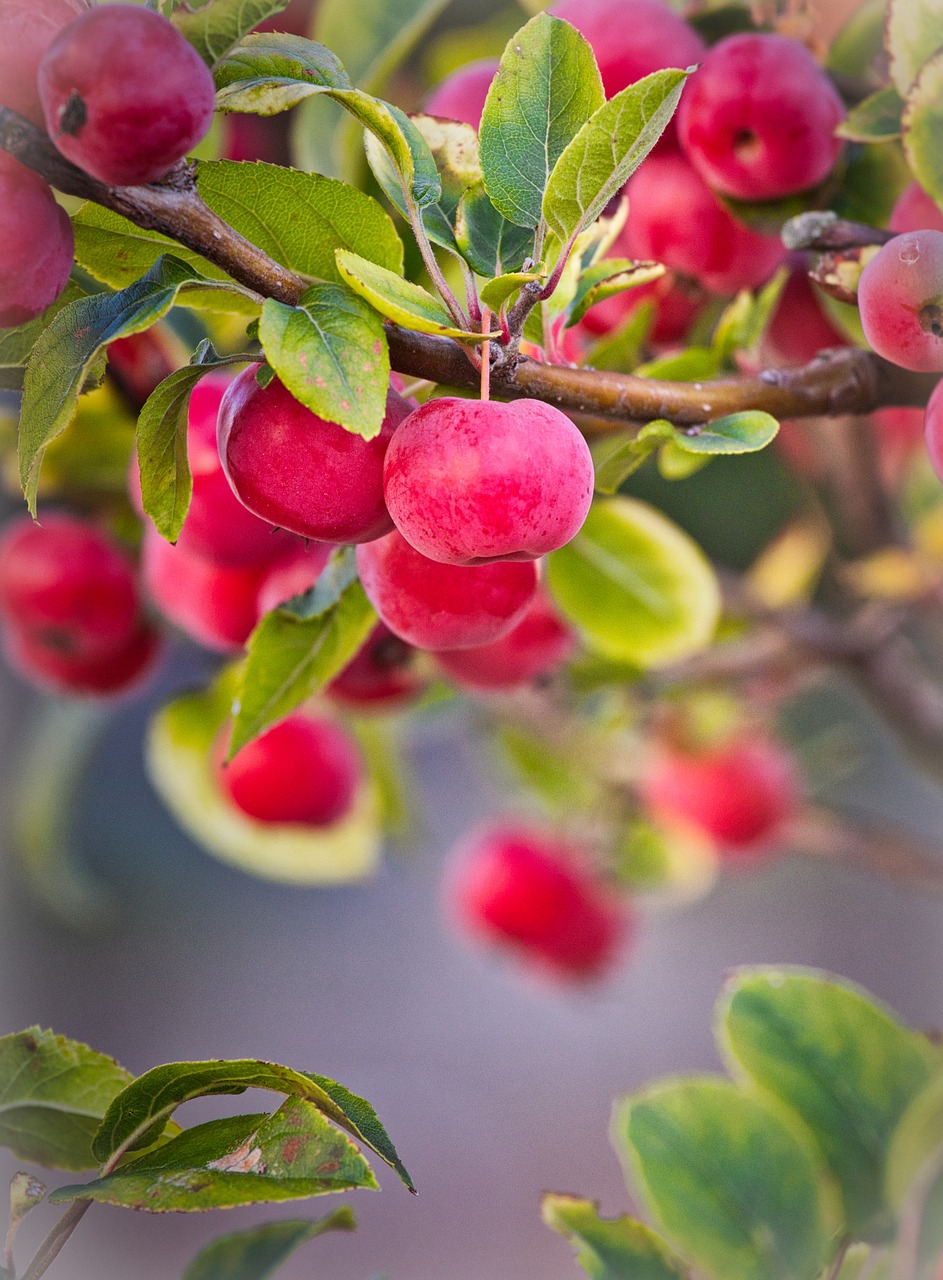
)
(49, 1250)
(873, 847)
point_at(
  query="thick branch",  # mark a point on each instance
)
(845, 381)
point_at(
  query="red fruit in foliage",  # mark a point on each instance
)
(525, 889)
(139, 363)
(218, 526)
(298, 471)
(800, 329)
(471, 481)
(740, 793)
(933, 428)
(36, 244)
(915, 211)
(67, 588)
(462, 95)
(443, 606)
(124, 95)
(675, 219)
(103, 674)
(900, 298)
(381, 674)
(758, 120)
(27, 28)
(539, 644)
(304, 771)
(675, 304)
(632, 38)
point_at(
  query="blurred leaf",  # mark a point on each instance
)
(330, 351)
(923, 122)
(291, 1154)
(607, 151)
(912, 36)
(140, 1111)
(290, 658)
(840, 1062)
(744, 321)
(489, 243)
(621, 349)
(680, 863)
(637, 587)
(915, 1178)
(876, 119)
(162, 443)
(787, 570)
(616, 459)
(546, 88)
(400, 300)
(859, 41)
(181, 752)
(215, 27)
(694, 364)
(372, 37)
(68, 347)
(454, 148)
(675, 463)
(731, 1178)
(610, 1248)
(91, 458)
(550, 769)
(257, 1253)
(53, 1094)
(607, 278)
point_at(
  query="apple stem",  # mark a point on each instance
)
(485, 354)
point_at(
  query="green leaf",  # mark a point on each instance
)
(744, 432)
(839, 1061)
(635, 585)
(454, 148)
(731, 1178)
(607, 151)
(331, 353)
(291, 658)
(17, 343)
(616, 459)
(259, 1159)
(338, 574)
(859, 42)
(140, 1111)
(876, 119)
(166, 484)
(489, 243)
(400, 300)
(214, 28)
(604, 280)
(257, 1253)
(922, 122)
(744, 320)
(610, 1248)
(181, 752)
(915, 1172)
(495, 293)
(53, 1094)
(67, 349)
(267, 74)
(912, 34)
(546, 88)
(373, 36)
(692, 364)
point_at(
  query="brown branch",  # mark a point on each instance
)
(824, 230)
(874, 847)
(844, 381)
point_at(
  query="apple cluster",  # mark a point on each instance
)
(122, 95)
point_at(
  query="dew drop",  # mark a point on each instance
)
(909, 253)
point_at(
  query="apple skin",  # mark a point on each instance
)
(36, 244)
(461, 96)
(529, 891)
(27, 29)
(381, 676)
(100, 676)
(468, 482)
(443, 606)
(300, 472)
(539, 644)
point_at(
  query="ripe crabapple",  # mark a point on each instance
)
(443, 606)
(526, 889)
(300, 472)
(675, 219)
(741, 792)
(539, 644)
(67, 588)
(381, 674)
(631, 39)
(36, 244)
(304, 771)
(933, 428)
(915, 211)
(139, 363)
(462, 95)
(218, 526)
(124, 95)
(758, 119)
(100, 675)
(799, 328)
(472, 481)
(27, 28)
(900, 298)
